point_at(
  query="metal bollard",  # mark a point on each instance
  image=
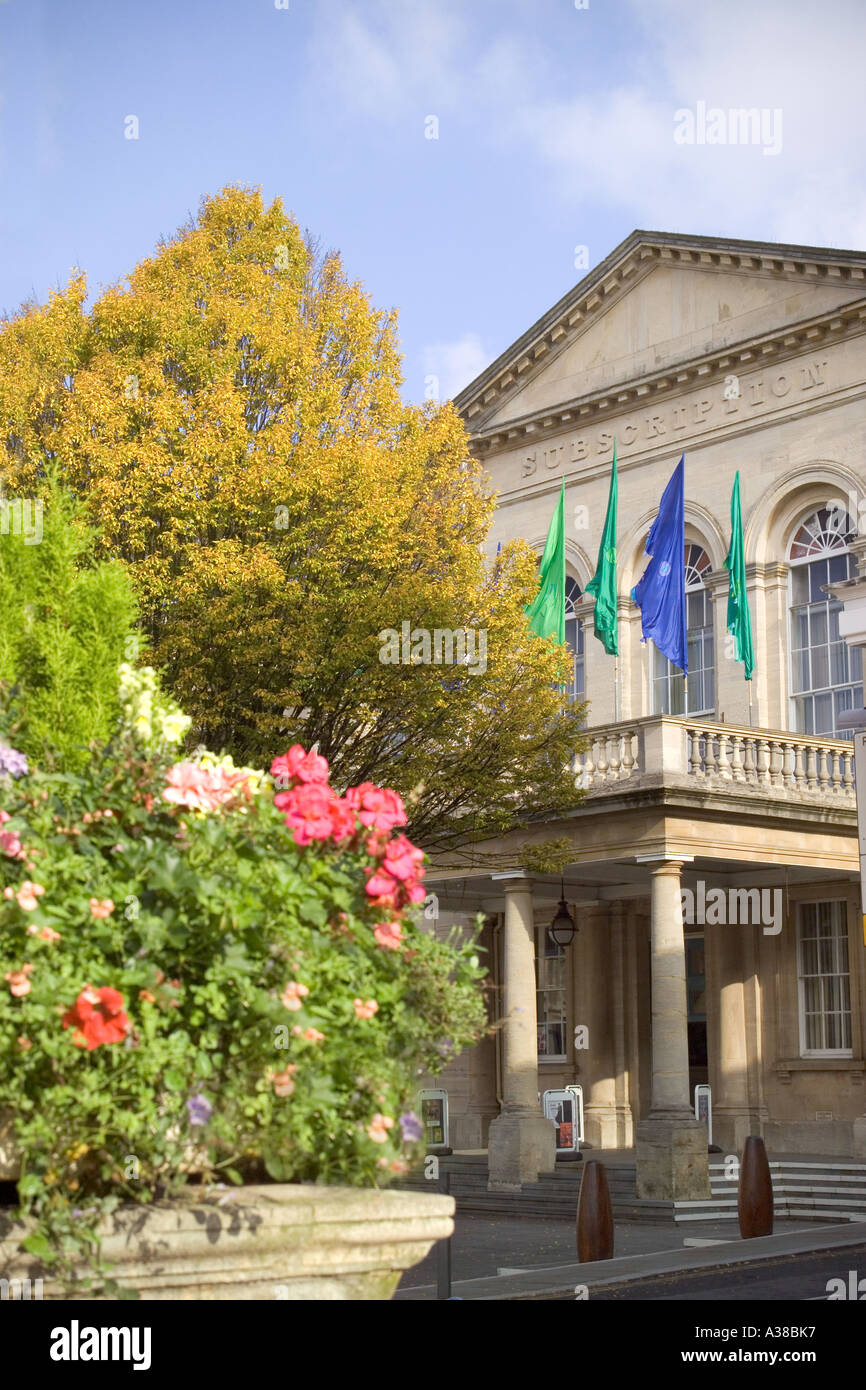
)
(443, 1248)
(594, 1215)
(755, 1191)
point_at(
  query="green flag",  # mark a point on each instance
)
(547, 613)
(739, 622)
(603, 582)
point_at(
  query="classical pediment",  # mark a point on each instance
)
(655, 305)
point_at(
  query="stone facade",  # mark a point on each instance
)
(749, 357)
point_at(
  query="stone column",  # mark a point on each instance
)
(733, 1114)
(521, 1143)
(671, 1145)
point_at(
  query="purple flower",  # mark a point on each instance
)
(412, 1127)
(200, 1109)
(12, 761)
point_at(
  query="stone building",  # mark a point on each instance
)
(747, 356)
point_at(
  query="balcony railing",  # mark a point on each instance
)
(718, 757)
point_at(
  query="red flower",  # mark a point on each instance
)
(309, 811)
(97, 1016)
(343, 823)
(389, 935)
(378, 807)
(298, 766)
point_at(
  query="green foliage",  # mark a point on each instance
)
(65, 619)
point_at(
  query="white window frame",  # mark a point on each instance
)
(541, 937)
(819, 1052)
(800, 562)
(691, 588)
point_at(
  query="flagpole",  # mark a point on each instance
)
(751, 720)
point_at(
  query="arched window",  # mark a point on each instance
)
(574, 639)
(826, 678)
(670, 695)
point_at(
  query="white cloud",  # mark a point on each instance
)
(454, 365)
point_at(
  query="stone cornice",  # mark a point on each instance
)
(780, 346)
(623, 268)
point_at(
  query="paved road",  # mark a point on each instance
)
(483, 1246)
(790, 1278)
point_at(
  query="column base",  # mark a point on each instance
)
(608, 1126)
(520, 1145)
(671, 1154)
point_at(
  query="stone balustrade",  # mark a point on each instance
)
(718, 757)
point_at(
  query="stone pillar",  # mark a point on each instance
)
(734, 1115)
(597, 1063)
(521, 1143)
(671, 1145)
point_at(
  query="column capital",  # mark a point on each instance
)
(665, 863)
(514, 879)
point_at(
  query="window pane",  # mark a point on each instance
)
(800, 583)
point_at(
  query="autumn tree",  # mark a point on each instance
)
(231, 416)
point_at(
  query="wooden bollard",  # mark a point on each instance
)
(594, 1215)
(755, 1192)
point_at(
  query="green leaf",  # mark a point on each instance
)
(39, 1245)
(174, 1080)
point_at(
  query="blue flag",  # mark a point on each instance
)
(660, 593)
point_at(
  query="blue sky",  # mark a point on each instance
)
(555, 131)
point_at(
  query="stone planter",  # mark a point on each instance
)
(286, 1241)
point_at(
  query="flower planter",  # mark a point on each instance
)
(286, 1241)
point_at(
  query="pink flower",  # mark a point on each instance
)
(28, 895)
(101, 909)
(389, 935)
(19, 985)
(342, 820)
(46, 933)
(10, 844)
(379, 808)
(309, 811)
(293, 994)
(378, 1128)
(298, 766)
(403, 860)
(367, 1010)
(310, 1034)
(189, 785)
(393, 1165)
(282, 1080)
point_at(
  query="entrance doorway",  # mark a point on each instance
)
(696, 1004)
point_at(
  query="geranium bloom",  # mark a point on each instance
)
(97, 1016)
(389, 935)
(296, 765)
(45, 933)
(282, 1080)
(403, 859)
(378, 1128)
(311, 1034)
(11, 844)
(192, 786)
(24, 1043)
(19, 985)
(379, 808)
(28, 895)
(293, 994)
(342, 820)
(309, 811)
(103, 908)
(367, 1010)
(394, 1165)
